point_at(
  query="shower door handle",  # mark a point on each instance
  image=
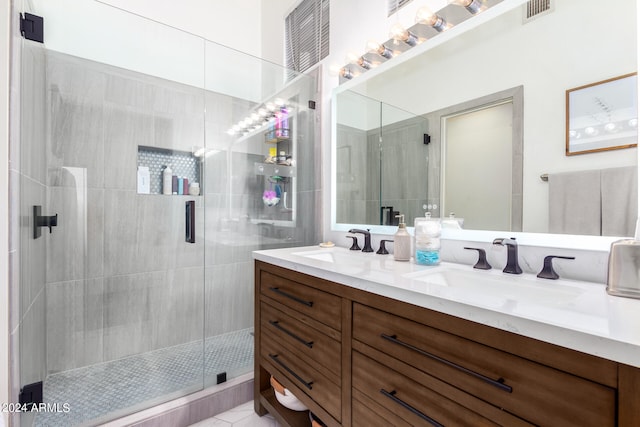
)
(190, 221)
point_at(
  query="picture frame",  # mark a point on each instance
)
(602, 116)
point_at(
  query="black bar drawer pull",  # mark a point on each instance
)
(392, 395)
(293, 297)
(274, 357)
(499, 383)
(276, 324)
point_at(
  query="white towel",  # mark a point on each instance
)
(574, 203)
(619, 189)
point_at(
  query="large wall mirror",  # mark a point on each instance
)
(544, 57)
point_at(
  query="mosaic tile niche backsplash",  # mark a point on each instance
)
(183, 164)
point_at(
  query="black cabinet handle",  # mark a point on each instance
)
(190, 221)
(293, 297)
(499, 383)
(307, 384)
(392, 395)
(276, 324)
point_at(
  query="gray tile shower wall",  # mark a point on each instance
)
(120, 278)
(152, 310)
(75, 324)
(352, 176)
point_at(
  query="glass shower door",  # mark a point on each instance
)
(112, 308)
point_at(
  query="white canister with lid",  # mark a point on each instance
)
(427, 240)
(194, 189)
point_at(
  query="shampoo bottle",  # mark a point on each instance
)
(427, 231)
(167, 180)
(402, 242)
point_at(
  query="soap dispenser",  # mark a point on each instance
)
(402, 242)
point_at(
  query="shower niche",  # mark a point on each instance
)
(186, 169)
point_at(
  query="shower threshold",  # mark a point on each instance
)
(113, 389)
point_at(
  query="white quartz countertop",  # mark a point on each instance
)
(573, 314)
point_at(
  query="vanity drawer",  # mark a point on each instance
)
(537, 393)
(319, 305)
(292, 371)
(305, 341)
(398, 400)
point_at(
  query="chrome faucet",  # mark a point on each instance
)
(512, 266)
(367, 239)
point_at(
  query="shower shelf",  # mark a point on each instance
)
(276, 135)
(270, 169)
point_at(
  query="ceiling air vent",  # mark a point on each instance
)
(394, 5)
(536, 8)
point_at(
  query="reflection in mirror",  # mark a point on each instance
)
(603, 116)
(546, 56)
(477, 166)
(376, 144)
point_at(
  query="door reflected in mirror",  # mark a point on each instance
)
(477, 167)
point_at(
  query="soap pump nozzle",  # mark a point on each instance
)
(401, 223)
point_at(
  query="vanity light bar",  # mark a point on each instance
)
(426, 24)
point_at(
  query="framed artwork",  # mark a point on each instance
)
(602, 116)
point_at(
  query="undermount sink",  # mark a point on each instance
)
(333, 255)
(498, 287)
(320, 255)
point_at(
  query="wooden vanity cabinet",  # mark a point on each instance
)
(360, 359)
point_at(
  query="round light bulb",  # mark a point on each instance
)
(424, 15)
(610, 127)
(473, 6)
(373, 45)
(398, 32)
(633, 123)
(334, 69)
(352, 58)
(380, 49)
(346, 73)
(591, 131)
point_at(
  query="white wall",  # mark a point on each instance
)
(170, 41)
(4, 208)
(274, 13)
(237, 24)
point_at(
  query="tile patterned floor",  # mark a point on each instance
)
(241, 416)
(98, 390)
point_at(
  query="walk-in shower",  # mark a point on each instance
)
(136, 297)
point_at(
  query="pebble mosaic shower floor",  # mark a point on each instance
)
(95, 391)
